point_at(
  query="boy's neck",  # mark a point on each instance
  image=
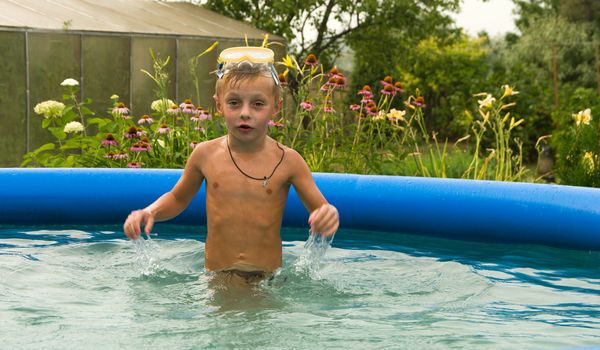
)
(246, 147)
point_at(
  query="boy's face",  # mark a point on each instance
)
(247, 107)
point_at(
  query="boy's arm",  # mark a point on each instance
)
(324, 218)
(171, 203)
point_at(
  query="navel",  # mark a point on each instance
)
(269, 191)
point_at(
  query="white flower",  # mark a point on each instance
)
(72, 127)
(114, 97)
(584, 117)
(49, 108)
(161, 105)
(69, 82)
(487, 102)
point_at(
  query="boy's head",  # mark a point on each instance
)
(240, 64)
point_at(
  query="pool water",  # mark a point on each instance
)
(65, 288)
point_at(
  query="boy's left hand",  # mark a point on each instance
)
(325, 220)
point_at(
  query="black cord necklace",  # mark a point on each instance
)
(264, 179)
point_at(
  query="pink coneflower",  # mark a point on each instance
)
(398, 87)
(387, 80)
(333, 71)
(307, 105)
(370, 104)
(173, 109)
(325, 88)
(145, 119)
(328, 108)
(109, 140)
(132, 133)
(187, 106)
(134, 165)
(282, 79)
(340, 81)
(366, 101)
(388, 90)
(193, 144)
(331, 81)
(141, 132)
(355, 107)
(311, 60)
(419, 102)
(164, 129)
(140, 147)
(373, 111)
(121, 109)
(276, 124)
(366, 91)
(112, 155)
(204, 115)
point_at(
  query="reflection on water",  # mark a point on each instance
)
(391, 292)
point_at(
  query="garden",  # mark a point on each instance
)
(517, 108)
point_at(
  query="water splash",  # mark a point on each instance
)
(147, 256)
(314, 250)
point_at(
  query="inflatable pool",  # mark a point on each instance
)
(553, 215)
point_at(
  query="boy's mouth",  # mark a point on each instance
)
(245, 127)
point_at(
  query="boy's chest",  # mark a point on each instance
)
(228, 182)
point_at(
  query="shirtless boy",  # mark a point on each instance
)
(247, 174)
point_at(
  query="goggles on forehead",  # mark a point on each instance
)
(247, 53)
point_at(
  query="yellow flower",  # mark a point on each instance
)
(395, 115)
(584, 117)
(588, 162)
(487, 102)
(290, 62)
(514, 124)
(508, 91)
(380, 116)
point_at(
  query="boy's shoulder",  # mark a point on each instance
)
(209, 145)
(207, 148)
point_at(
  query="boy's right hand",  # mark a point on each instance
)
(133, 225)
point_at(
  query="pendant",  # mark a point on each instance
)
(265, 182)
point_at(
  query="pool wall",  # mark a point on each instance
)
(554, 215)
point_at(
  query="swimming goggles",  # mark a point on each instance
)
(247, 53)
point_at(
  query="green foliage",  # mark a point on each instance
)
(576, 141)
(447, 73)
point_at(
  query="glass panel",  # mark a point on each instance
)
(205, 66)
(13, 99)
(53, 57)
(105, 70)
(144, 88)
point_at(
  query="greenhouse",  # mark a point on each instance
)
(104, 45)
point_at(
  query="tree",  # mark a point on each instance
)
(322, 27)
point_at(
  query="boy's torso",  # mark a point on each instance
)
(243, 215)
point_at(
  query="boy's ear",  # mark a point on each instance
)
(217, 103)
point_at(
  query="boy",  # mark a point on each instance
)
(247, 174)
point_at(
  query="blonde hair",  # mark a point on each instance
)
(236, 72)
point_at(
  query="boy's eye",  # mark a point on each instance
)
(259, 103)
(232, 102)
